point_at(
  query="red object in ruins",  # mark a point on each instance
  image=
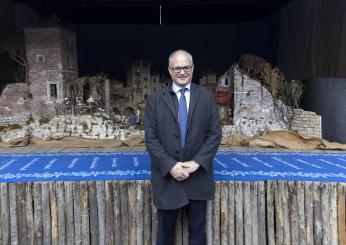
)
(223, 97)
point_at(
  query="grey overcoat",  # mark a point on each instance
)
(162, 139)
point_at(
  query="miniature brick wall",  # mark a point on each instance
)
(307, 123)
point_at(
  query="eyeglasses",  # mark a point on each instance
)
(186, 69)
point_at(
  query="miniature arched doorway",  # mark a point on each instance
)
(86, 92)
(116, 111)
(71, 94)
(129, 111)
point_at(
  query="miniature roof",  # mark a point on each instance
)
(43, 24)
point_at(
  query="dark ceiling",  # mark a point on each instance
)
(148, 12)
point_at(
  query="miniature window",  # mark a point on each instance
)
(154, 81)
(53, 90)
(226, 81)
(69, 61)
(70, 42)
(40, 58)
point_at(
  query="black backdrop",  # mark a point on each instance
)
(327, 97)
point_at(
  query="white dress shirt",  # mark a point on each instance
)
(187, 93)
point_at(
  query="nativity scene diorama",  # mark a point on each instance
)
(53, 101)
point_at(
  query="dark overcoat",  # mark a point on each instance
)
(162, 139)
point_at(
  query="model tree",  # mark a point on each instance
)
(14, 46)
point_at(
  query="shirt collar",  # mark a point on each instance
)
(176, 88)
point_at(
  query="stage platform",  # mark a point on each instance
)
(103, 196)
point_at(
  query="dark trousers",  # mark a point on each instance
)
(196, 213)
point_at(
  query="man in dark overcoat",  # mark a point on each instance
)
(182, 135)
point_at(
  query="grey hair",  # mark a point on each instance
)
(179, 51)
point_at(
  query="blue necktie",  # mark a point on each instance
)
(182, 116)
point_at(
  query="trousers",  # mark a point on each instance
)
(196, 214)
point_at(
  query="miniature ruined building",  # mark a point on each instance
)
(141, 80)
(52, 62)
(223, 88)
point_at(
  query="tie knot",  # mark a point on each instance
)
(183, 90)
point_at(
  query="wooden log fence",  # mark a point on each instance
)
(121, 212)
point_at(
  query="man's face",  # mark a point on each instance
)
(181, 69)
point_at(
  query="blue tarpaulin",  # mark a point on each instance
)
(230, 165)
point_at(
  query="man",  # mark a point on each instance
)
(182, 135)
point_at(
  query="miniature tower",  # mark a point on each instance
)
(138, 76)
(52, 62)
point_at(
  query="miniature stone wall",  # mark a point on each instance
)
(19, 119)
(15, 99)
(100, 126)
(307, 123)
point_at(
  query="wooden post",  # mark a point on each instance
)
(46, 214)
(139, 211)
(239, 220)
(61, 212)
(84, 210)
(54, 213)
(110, 231)
(279, 221)
(21, 213)
(209, 222)
(77, 213)
(247, 213)
(38, 214)
(301, 212)
(93, 214)
(231, 213)
(132, 212)
(216, 215)
(316, 195)
(69, 221)
(224, 215)
(101, 212)
(124, 211)
(5, 211)
(309, 207)
(333, 217)
(261, 201)
(29, 214)
(325, 193)
(254, 212)
(270, 190)
(117, 213)
(13, 213)
(283, 187)
(293, 212)
(179, 229)
(341, 214)
(147, 213)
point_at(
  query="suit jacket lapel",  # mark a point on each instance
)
(194, 96)
(168, 100)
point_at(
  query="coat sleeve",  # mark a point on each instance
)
(158, 154)
(206, 153)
